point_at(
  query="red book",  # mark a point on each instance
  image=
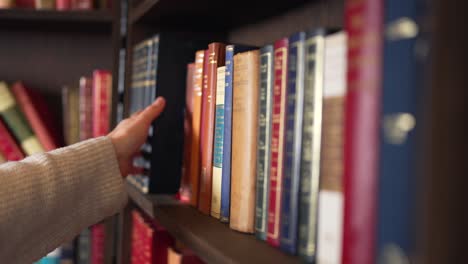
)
(40, 118)
(102, 102)
(25, 3)
(63, 4)
(214, 58)
(97, 243)
(8, 147)
(277, 140)
(185, 186)
(86, 108)
(363, 22)
(82, 4)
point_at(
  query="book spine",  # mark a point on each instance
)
(63, 4)
(196, 127)
(226, 171)
(185, 187)
(81, 4)
(83, 252)
(71, 115)
(8, 147)
(362, 128)
(86, 108)
(292, 144)
(216, 56)
(311, 142)
(402, 96)
(218, 144)
(25, 101)
(244, 140)
(17, 123)
(263, 142)
(330, 215)
(102, 102)
(97, 243)
(277, 140)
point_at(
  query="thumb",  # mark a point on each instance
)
(153, 111)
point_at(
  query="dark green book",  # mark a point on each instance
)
(263, 145)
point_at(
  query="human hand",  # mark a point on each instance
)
(131, 133)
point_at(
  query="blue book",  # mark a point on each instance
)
(292, 145)
(401, 95)
(231, 50)
(264, 141)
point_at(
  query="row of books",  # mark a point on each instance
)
(86, 114)
(150, 243)
(304, 142)
(56, 4)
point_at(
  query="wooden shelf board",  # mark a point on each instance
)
(30, 18)
(207, 14)
(210, 239)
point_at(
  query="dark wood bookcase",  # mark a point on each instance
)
(255, 23)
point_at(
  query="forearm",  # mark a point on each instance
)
(49, 198)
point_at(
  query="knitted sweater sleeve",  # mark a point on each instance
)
(48, 198)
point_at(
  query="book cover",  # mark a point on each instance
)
(141, 75)
(215, 57)
(38, 114)
(83, 252)
(102, 102)
(292, 143)
(97, 243)
(362, 129)
(401, 123)
(17, 123)
(86, 108)
(330, 200)
(231, 50)
(244, 140)
(71, 114)
(263, 141)
(63, 4)
(185, 186)
(277, 140)
(311, 143)
(8, 146)
(196, 127)
(218, 144)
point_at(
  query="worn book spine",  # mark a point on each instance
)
(363, 24)
(263, 141)
(244, 140)
(33, 106)
(185, 186)
(277, 140)
(102, 102)
(218, 144)
(404, 95)
(71, 114)
(330, 215)
(216, 57)
(17, 123)
(311, 142)
(196, 127)
(86, 108)
(8, 147)
(292, 144)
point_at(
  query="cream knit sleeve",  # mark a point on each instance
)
(48, 198)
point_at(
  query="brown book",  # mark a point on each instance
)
(215, 58)
(244, 140)
(196, 120)
(71, 114)
(185, 186)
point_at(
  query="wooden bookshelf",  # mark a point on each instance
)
(211, 240)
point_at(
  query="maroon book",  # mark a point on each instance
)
(215, 57)
(277, 140)
(362, 129)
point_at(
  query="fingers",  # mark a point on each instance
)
(153, 111)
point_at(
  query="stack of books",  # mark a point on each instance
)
(61, 5)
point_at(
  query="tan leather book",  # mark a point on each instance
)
(244, 140)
